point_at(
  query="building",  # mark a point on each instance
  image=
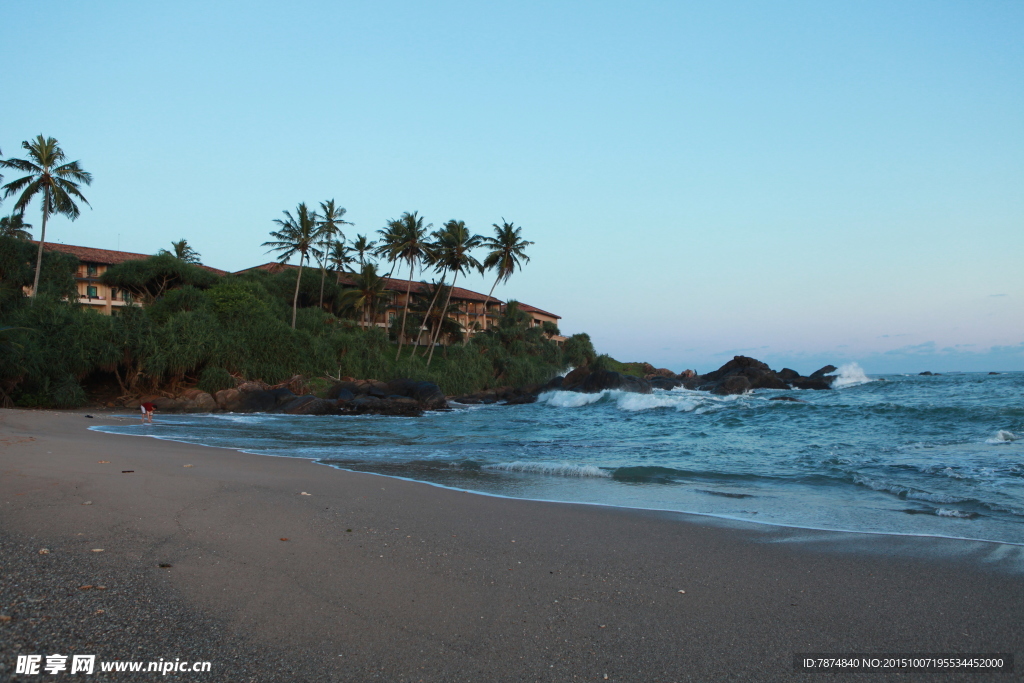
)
(92, 264)
(473, 311)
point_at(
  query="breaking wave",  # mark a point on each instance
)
(1002, 436)
(557, 469)
(850, 375)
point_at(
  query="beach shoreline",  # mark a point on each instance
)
(437, 584)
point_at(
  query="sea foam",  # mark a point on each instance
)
(558, 469)
(1001, 437)
(850, 375)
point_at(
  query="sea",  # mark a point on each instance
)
(938, 455)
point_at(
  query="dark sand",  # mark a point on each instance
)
(437, 585)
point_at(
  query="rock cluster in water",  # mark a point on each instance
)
(738, 376)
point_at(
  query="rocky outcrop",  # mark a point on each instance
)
(743, 374)
(594, 381)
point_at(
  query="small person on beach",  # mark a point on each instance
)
(147, 412)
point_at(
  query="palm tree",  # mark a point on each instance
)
(506, 250)
(368, 294)
(405, 240)
(15, 226)
(298, 234)
(56, 182)
(363, 247)
(339, 256)
(330, 229)
(453, 246)
(183, 252)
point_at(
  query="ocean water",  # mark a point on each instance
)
(941, 455)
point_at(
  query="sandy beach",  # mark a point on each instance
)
(373, 578)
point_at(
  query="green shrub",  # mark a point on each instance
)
(214, 379)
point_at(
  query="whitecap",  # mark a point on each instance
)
(850, 375)
(959, 514)
(570, 399)
(1001, 437)
(559, 469)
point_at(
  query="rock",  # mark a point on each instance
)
(600, 380)
(282, 395)
(427, 394)
(995, 373)
(574, 378)
(662, 382)
(345, 390)
(247, 400)
(253, 385)
(521, 400)
(787, 374)
(787, 398)
(926, 373)
(817, 383)
(224, 396)
(371, 405)
(308, 405)
(821, 372)
(732, 384)
(686, 374)
(736, 364)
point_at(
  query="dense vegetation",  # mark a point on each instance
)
(201, 329)
(184, 325)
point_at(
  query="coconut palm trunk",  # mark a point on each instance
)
(405, 312)
(323, 275)
(39, 254)
(295, 300)
(426, 318)
(440, 324)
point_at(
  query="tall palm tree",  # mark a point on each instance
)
(56, 182)
(15, 226)
(363, 247)
(330, 230)
(405, 240)
(453, 253)
(507, 252)
(183, 252)
(339, 256)
(298, 234)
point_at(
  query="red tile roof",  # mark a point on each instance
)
(533, 309)
(106, 257)
(393, 284)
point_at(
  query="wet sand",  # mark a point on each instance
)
(384, 579)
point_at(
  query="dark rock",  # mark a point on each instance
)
(818, 383)
(599, 380)
(736, 364)
(345, 390)
(575, 378)
(662, 382)
(427, 394)
(787, 398)
(687, 374)
(251, 400)
(282, 395)
(995, 373)
(768, 380)
(786, 374)
(732, 384)
(308, 405)
(823, 371)
(522, 399)
(371, 405)
(340, 394)
(926, 373)
(555, 384)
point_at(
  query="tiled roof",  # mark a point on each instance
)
(533, 309)
(393, 284)
(107, 257)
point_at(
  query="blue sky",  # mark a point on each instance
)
(804, 182)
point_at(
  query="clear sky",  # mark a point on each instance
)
(804, 182)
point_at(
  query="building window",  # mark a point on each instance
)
(91, 292)
(90, 270)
